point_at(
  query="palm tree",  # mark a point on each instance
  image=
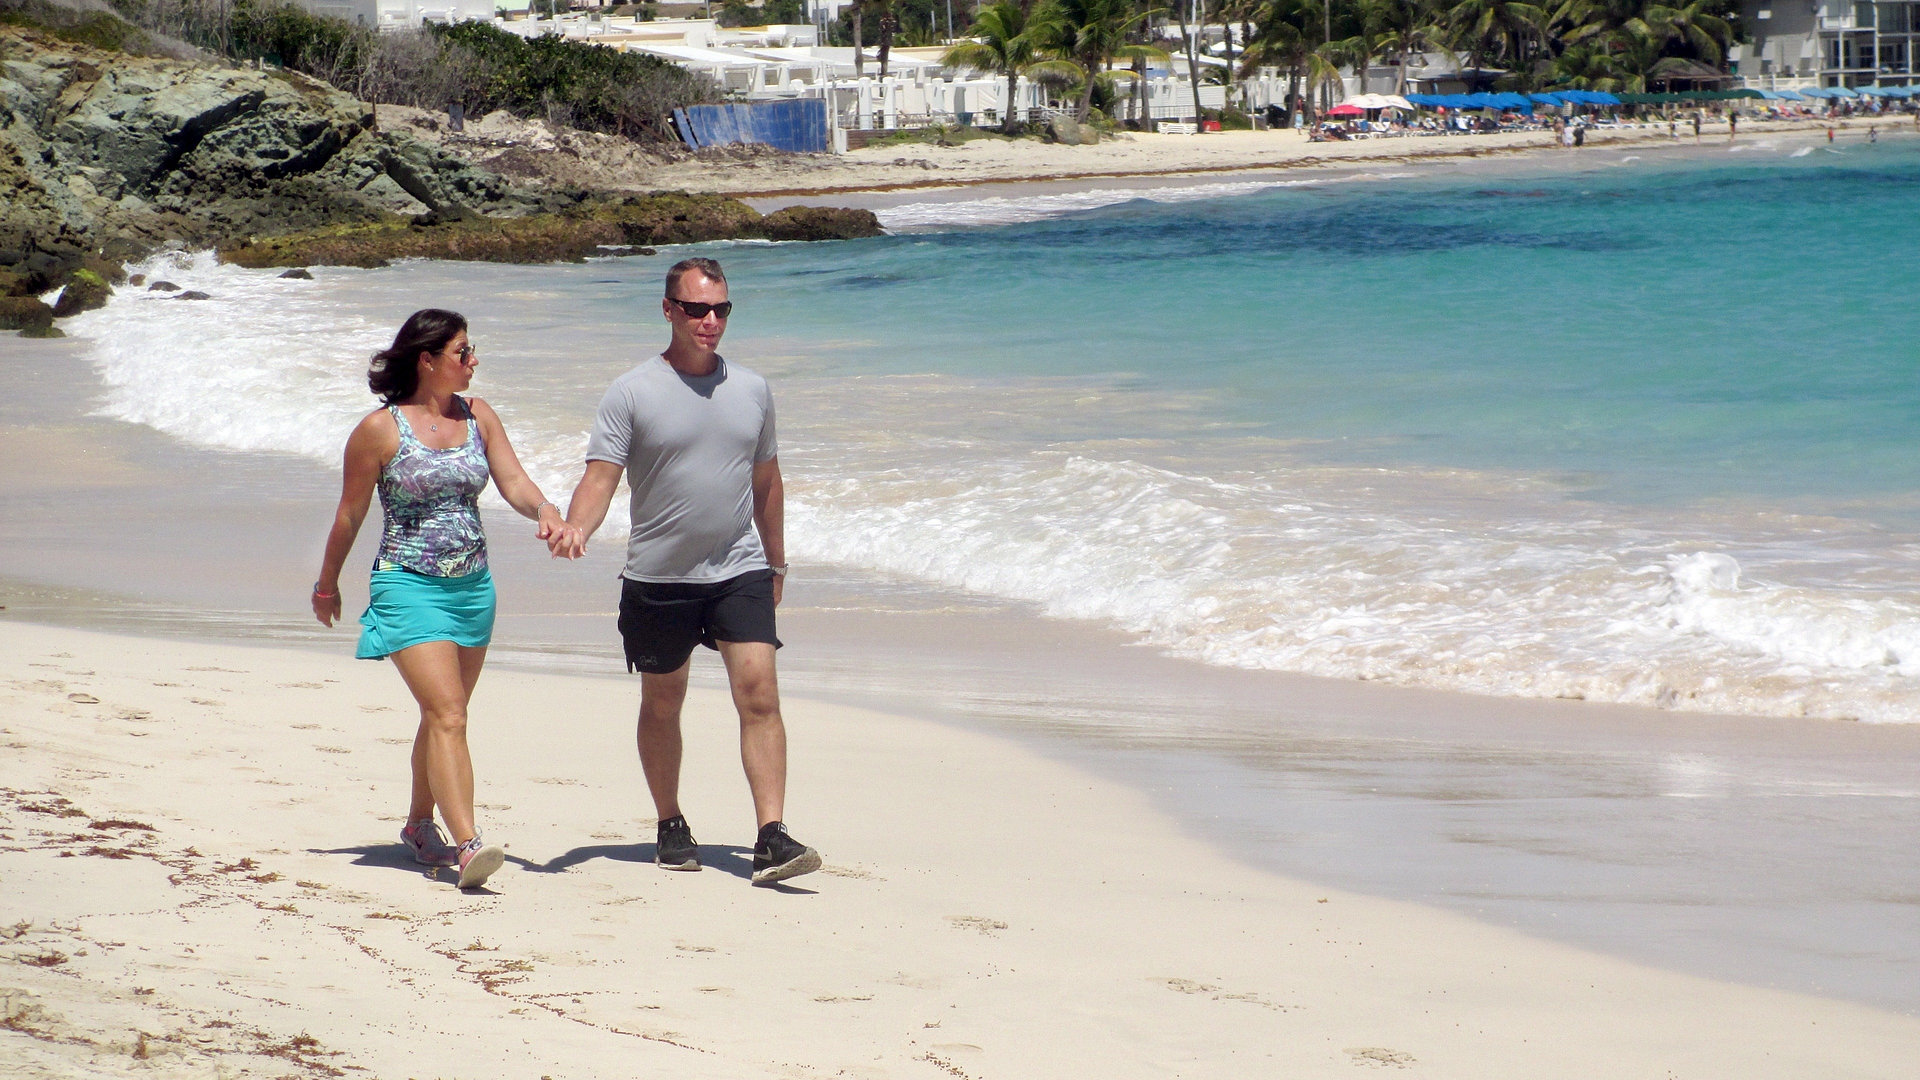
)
(1094, 33)
(1288, 33)
(1007, 41)
(1689, 27)
(889, 25)
(1496, 29)
(1193, 52)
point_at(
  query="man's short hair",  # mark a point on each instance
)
(707, 267)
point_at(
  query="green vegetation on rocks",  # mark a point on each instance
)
(471, 63)
(85, 291)
(595, 229)
(26, 314)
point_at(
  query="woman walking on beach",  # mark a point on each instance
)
(430, 452)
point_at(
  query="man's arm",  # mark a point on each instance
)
(770, 517)
(587, 509)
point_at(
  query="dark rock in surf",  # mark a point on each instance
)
(86, 291)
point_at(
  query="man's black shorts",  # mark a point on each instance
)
(661, 622)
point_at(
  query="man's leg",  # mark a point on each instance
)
(777, 856)
(658, 735)
(763, 735)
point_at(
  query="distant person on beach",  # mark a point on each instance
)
(1733, 125)
(1673, 129)
(430, 605)
(706, 557)
(1873, 134)
(1696, 127)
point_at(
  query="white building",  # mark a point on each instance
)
(400, 14)
(1799, 43)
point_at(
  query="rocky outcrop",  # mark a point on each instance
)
(106, 154)
(819, 223)
(84, 292)
(31, 317)
(603, 228)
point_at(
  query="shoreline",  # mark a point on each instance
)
(199, 833)
(979, 163)
(1377, 787)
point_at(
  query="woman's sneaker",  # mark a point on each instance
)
(777, 856)
(674, 847)
(429, 846)
(478, 861)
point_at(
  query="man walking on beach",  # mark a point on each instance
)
(706, 558)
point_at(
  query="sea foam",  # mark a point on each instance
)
(1239, 555)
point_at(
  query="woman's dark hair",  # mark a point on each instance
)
(395, 372)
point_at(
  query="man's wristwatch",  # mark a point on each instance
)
(780, 571)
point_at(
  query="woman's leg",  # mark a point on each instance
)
(441, 676)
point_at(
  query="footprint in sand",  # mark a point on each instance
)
(1189, 986)
(1380, 1057)
(83, 699)
(854, 872)
(980, 923)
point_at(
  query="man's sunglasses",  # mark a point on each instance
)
(696, 310)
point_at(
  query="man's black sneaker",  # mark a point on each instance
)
(675, 848)
(778, 856)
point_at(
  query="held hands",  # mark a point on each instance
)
(564, 541)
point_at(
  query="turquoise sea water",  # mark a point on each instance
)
(1616, 428)
(1665, 331)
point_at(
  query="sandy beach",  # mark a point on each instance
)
(1030, 871)
(200, 879)
(530, 150)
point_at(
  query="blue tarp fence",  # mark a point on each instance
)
(1517, 102)
(799, 125)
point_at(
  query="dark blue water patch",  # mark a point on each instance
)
(1288, 223)
(875, 281)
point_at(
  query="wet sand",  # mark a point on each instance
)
(1726, 847)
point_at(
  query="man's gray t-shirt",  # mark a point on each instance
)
(689, 445)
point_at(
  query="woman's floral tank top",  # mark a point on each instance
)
(432, 502)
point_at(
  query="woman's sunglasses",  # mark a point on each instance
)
(696, 310)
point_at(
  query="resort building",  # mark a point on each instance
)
(399, 14)
(771, 63)
(1817, 43)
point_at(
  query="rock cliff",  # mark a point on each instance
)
(105, 156)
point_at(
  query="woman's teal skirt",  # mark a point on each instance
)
(405, 608)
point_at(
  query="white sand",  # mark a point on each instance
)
(530, 150)
(986, 912)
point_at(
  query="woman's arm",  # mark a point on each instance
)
(373, 443)
(510, 477)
